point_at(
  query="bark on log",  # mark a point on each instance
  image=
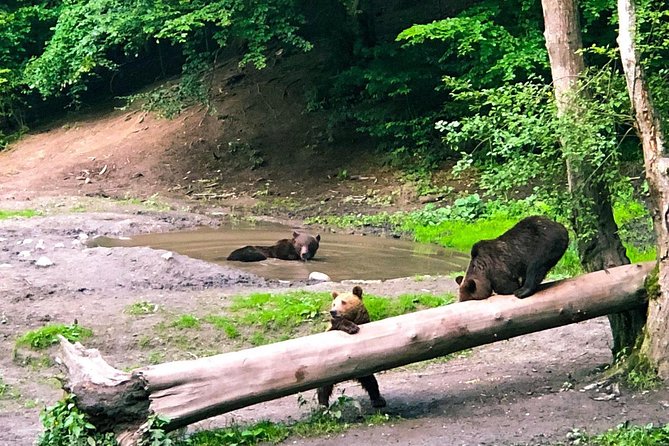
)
(189, 391)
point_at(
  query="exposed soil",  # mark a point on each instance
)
(528, 390)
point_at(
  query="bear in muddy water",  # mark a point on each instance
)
(301, 247)
(516, 262)
(347, 312)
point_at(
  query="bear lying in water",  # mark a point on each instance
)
(516, 261)
(348, 311)
(300, 247)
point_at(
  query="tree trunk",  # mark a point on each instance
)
(189, 391)
(649, 128)
(599, 245)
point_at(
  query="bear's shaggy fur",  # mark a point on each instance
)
(516, 261)
(347, 312)
(301, 247)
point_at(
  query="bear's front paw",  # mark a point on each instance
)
(523, 292)
(339, 323)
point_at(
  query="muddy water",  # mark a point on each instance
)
(340, 256)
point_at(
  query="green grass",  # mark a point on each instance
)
(626, 435)
(273, 317)
(26, 213)
(261, 318)
(223, 323)
(47, 336)
(141, 308)
(8, 392)
(320, 422)
(186, 321)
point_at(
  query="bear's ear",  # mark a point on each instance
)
(335, 294)
(318, 238)
(296, 234)
(458, 280)
(357, 291)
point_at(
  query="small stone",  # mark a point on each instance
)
(168, 256)
(44, 262)
(321, 277)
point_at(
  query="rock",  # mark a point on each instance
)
(168, 255)
(321, 277)
(24, 254)
(40, 245)
(43, 262)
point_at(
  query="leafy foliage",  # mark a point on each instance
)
(58, 48)
(64, 424)
(47, 336)
(625, 435)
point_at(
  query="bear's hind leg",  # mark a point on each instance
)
(535, 275)
(370, 384)
(324, 394)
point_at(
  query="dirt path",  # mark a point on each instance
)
(528, 390)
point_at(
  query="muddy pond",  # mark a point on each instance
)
(340, 256)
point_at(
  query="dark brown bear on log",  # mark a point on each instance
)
(347, 312)
(516, 261)
(300, 247)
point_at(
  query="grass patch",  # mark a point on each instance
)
(261, 318)
(224, 324)
(152, 203)
(267, 317)
(185, 322)
(320, 422)
(141, 308)
(47, 336)
(624, 435)
(26, 213)
(8, 392)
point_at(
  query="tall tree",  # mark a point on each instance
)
(649, 128)
(599, 245)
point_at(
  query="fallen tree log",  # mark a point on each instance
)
(188, 391)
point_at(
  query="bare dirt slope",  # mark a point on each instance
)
(529, 390)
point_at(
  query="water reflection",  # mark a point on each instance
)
(340, 256)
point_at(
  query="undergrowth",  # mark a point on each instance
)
(623, 435)
(27, 213)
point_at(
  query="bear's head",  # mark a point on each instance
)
(349, 306)
(474, 288)
(306, 245)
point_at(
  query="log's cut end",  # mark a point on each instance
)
(115, 401)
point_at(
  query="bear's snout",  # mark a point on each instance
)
(333, 313)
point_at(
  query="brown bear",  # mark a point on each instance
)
(301, 247)
(347, 312)
(516, 261)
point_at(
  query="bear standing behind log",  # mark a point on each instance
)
(347, 312)
(516, 261)
(300, 247)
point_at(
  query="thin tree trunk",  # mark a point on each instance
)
(649, 128)
(189, 391)
(599, 245)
